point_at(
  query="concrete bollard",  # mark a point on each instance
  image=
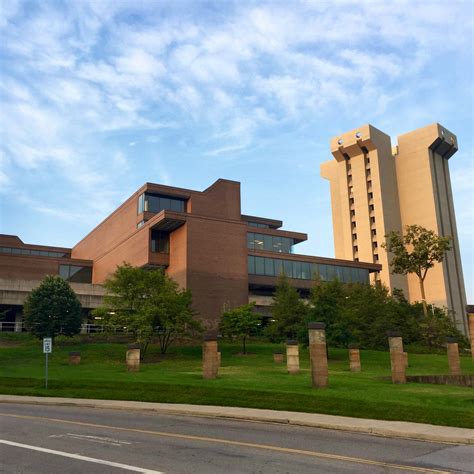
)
(74, 358)
(397, 360)
(133, 357)
(278, 357)
(471, 333)
(453, 356)
(210, 358)
(318, 354)
(292, 357)
(405, 358)
(354, 358)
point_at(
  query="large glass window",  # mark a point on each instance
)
(271, 243)
(157, 203)
(160, 241)
(75, 273)
(259, 224)
(37, 253)
(267, 266)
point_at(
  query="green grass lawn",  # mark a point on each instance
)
(246, 381)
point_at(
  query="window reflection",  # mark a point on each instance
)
(305, 270)
(272, 243)
(148, 202)
(75, 273)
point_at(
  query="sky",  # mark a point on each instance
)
(99, 97)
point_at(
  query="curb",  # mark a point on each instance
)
(390, 429)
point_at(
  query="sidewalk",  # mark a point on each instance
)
(395, 429)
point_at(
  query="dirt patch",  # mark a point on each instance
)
(10, 343)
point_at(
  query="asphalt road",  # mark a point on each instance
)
(40, 439)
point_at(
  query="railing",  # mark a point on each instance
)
(85, 328)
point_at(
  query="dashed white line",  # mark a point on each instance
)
(80, 458)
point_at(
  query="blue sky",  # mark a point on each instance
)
(98, 97)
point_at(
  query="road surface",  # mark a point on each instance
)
(44, 439)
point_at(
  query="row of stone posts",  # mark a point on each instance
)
(318, 356)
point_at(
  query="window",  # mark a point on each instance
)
(258, 224)
(274, 267)
(271, 243)
(160, 241)
(157, 203)
(267, 242)
(259, 266)
(141, 203)
(250, 240)
(33, 252)
(75, 273)
(374, 232)
(269, 267)
(371, 207)
(251, 264)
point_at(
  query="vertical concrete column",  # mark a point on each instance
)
(74, 358)
(210, 360)
(397, 360)
(453, 356)
(318, 354)
(278, 357)
(354, 358)
(292, 357)
(471, 333)
(133, 357)
(18, 322)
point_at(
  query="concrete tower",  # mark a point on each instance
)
(375, 190)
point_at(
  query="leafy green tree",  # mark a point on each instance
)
(147, 303)
(53, 308)
(288, 312)
(327, 302)
(240, 322)
(416, 252)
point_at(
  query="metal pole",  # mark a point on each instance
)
(46, 372)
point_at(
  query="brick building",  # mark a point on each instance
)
(201, 239)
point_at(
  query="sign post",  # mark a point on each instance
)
(47, 349)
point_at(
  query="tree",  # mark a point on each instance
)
(416, 252)
(288, 312)
(326, 305)
(145, 303)
(240, 322)
(53, 308)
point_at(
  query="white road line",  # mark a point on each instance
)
(80, 458)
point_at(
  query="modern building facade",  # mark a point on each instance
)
(376, 189)
(201, 239)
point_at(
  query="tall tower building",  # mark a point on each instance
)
(376, 189)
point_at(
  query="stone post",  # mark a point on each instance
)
(405, 358)
(219, 358)
(397, 360)
(292, 357)
(354, 358)
(453, 356)
(471, 333)
(278, 357)
(210, 360)
(318, 354)
(133, 357)
(74, 358)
